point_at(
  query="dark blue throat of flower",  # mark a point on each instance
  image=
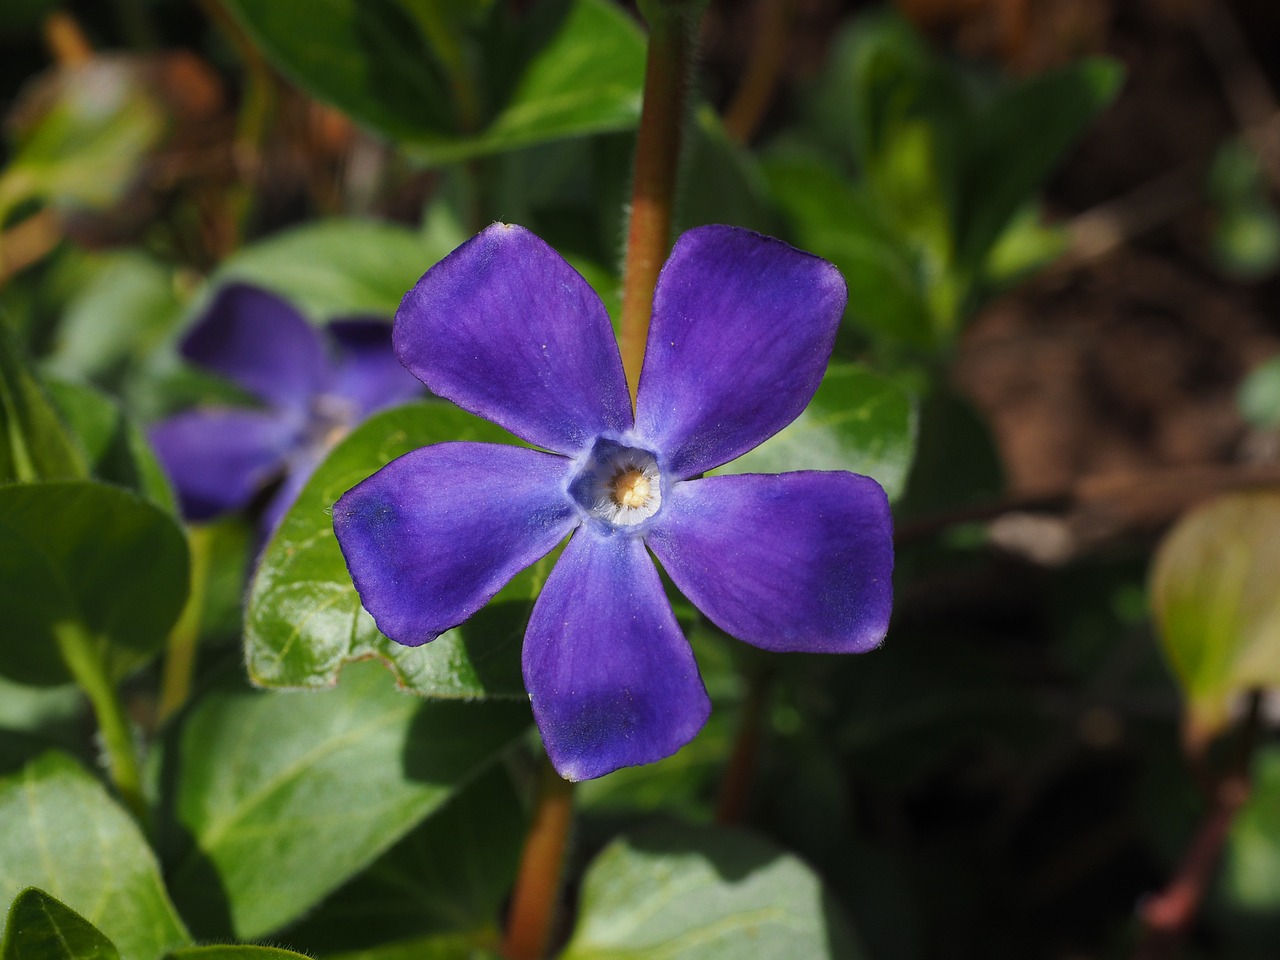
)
(618, 487)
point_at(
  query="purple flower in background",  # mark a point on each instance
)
(742, 330)
(314, 387)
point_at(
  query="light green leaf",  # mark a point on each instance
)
(63, 834)
(304, 618)
(92, 554)
(92, 129)
(338, 267)
(1259, 396)
(858, 421)
(473, 848)
(1251, 870)
(34, 443)
(566, 68)
(117, 451)
(42, 928)
(35, 720)
(457, 947)
(700, 894)
(1213, 591)
(285, 796)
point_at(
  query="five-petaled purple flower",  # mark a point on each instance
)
(743, 326)
(314, 388)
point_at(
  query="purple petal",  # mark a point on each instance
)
(256, 340)
(798, 561)
(505, 328)
(433, 535)
(742, 330)
(219, 459)
(298, 468)
(612, 680)
(366, 370)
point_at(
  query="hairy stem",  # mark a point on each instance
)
(735, 788)
(666, 88)
(537, 890)
(84, 659)
(764, 66)
(180, 656)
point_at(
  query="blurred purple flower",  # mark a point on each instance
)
(742, 330)
(314, 388)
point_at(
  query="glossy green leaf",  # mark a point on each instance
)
(260, 778)
(63, 834)
(88, 553)
(94, 125)
(835, 220)
(473, 848)
(304, 619)
(1213, 591)
(41, 927)
(1251, 868)
(34, 443)
(1016, 143)
(339, 267)
(858, 421)
(116, 449)
(235, 951)
(692, 893)
(123, 312)
(567, 68)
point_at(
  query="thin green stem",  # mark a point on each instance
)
(537, 890)
(666, 88)
(180, 656)
(83, 657)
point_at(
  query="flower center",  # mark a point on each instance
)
(620, 486)
(630, 488)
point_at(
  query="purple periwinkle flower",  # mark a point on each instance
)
(742, 330)
(314, 387)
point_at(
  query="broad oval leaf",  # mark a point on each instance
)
(305, 620)
(1215, 597)
(339, 267)
(858, 421)
(285, 796)
(63, 834)
(567, 68)
(86, 552)
(41, 927)
(698, 894)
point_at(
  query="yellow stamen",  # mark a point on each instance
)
(630, 488)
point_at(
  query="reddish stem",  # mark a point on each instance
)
(666, 83)
(537, 890)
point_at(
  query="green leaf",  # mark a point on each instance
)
(1259, 396)
(123, 312)
(35, 720)
(40, 927)
(63, 834)
(285, 796)
(473, 848)
(858, 421)
(338, 267)
(91, 128)
(35, 444)
(1251, 869)
(457, 947)
(117, 451)
(567, 68)
(235, 951)
(674, 891)
(1213, 591)
(1015, 144)
(88, 553)
(304, 619)
(829, 217)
